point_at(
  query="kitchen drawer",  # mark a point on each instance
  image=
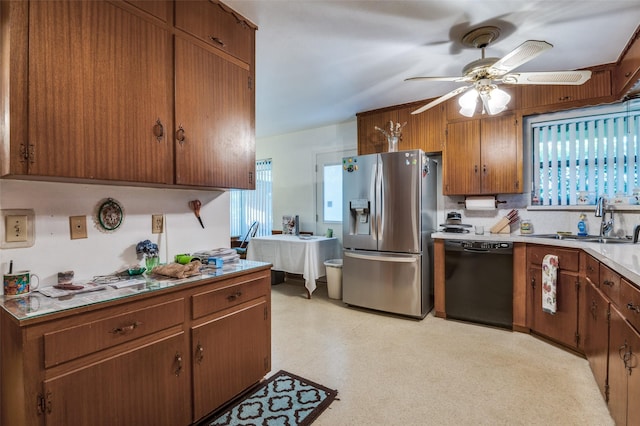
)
(73, 342)
(592, 270)
(229, 296)
(630, 299)
(216, 26)
(610, 284)
(568, 260)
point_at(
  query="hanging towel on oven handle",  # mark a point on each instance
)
(549, 283)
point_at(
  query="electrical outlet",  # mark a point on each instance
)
(16, 228)
(157, 224)
(78, 227)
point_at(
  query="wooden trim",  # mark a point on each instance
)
(520, 287)
(438, 275)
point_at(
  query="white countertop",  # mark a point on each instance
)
(622, 258)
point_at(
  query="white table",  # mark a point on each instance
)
(297, 255)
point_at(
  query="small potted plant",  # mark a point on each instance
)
(150, 252)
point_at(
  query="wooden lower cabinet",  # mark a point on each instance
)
(146, 385)
(596, 338)
(624, 371)
(166, 357)
(562, 326)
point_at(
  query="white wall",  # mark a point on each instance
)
(104, 253)
(293, 170)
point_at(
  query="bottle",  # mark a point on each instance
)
(582, 226)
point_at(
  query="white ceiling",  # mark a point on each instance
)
(319, 62)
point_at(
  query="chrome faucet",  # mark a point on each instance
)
(601, 211)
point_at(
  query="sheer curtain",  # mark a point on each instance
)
(598, 154)
(249, 206)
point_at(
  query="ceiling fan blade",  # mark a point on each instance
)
(442, 99)
(437, 78)
(575, 78)
(518, 56)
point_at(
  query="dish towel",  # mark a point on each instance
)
(549, 278)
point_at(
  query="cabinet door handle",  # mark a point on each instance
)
(180, 134)
(484, 169)
(593, 309)
(178, 362)
(199, 353)
(158, 130)
(608, 283)
(126, 329)
(217, 41)
(475, 168)
(632, 307)
(234, 296)
(533, 282)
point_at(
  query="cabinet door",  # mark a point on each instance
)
(425, 131)
(563, 325)
(624, 369)
(214, 24)
(461, 173)
(499, 154)
(145, 386)
(596, 339)
(626, 72)
(550, 96)
(370, 140)
(230, 354)
(215, 141)
(99, 79)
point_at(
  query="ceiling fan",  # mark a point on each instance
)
(484, 74)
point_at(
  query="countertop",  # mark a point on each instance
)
(622, 258)
(37, 304)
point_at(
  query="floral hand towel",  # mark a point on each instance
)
(549, 277)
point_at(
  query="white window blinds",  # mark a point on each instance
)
(598, 154)
(249, 206)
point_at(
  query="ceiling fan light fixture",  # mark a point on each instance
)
(496, 101)
(468, 103)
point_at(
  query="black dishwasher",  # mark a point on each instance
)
(479, 282)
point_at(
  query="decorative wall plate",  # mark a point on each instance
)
(109, 215)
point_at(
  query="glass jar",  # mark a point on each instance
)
(526, 227)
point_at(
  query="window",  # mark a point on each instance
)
(249, 206)
(332, 193)
(591, 155)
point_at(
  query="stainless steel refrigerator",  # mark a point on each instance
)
(389, 213)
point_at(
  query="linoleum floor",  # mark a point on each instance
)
(395, 371)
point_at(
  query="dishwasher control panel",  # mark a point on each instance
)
(482, 245)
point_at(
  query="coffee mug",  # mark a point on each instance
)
(329, 233)
(20, 283)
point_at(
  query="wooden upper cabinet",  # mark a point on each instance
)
(99, 82)
(218, 26)
(627, 70)
(161, 9)
(482, 156)
(425, 131)
(544, 97)
(215, 141)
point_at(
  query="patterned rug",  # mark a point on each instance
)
(283, 400)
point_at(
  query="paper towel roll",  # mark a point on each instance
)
(480, 203)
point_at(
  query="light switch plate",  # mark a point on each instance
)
(17, 228)
(157, 224)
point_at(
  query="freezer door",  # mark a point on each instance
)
(359, 194)
(386, 282)
(399, 210)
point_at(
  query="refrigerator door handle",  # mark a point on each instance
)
(380, 199)
(374, 200)
(382, 258)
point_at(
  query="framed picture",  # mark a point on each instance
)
(290, 225)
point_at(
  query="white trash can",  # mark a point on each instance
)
(334, 278)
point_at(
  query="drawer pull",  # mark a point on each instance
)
(180, 134)
(178, 362)
(217, 41)
(234, 296)
(199, 353)
(126, 329)
(632, 307)
(158, 130)
(608, 283)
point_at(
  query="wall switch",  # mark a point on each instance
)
(157, 224)
(16, 226)
(78, 227)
